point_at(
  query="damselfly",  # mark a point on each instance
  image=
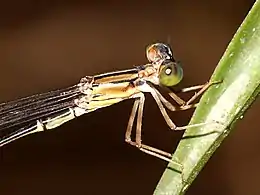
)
(49, 110)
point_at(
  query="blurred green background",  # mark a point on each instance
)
(46, 45)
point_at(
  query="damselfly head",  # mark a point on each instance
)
(158, 52)
(170, 73)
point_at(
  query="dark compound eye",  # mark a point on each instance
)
(170, 73)
(159, 52)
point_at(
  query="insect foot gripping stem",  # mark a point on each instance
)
(213, 122)
(202, 88)
(188, 126)
(156, 153)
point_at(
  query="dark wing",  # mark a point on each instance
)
(18, 114)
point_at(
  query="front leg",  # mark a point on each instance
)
(185, 104)
(202, 88)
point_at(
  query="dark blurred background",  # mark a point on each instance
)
(45, 45)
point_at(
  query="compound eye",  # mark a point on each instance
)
(170, 74)
(158, 52)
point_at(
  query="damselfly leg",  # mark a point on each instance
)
(188, 104)
(202, 88)
(169, 105)
(138, 109)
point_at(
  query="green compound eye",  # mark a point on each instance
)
(170, 74)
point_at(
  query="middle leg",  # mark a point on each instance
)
(138, 107)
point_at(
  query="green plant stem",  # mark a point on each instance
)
(224, 103)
